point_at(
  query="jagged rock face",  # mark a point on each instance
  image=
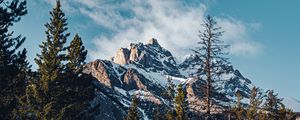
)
(191, 65)
(142, 69)
(232, 81)
(229, 81)
(122, 56)
(153, 42)
(106, 109)
(134, 53)
(115, 86)
(195, 93)
(195, 97)
(132, 80)
(105, 72)
(150, 56)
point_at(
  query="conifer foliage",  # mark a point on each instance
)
(238, 109)
(273, 105)
(50, 63)
(76, 55)
(181, 105)
(169, 94)
(133, 113)
(78, 86)
(60, 90)
(13, 64)
(252, 111)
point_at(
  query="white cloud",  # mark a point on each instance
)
(237, 35)
(174, 24)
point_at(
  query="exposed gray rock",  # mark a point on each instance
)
(122, 56)
(132, 80)
(153, 42)
(141, 69)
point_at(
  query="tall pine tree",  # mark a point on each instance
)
(51, 58)
(272, 105)
(181, 106)
(76, 56)
(255, 100)
(13, 64)
(211, 53)
(51, 67)
(169, 94)
(79, 89)
(133, 113)
(238, 109)
(62, 90)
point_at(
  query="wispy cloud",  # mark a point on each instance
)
(237, 35)
(174, 23)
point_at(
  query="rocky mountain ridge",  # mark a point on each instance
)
(142, 69)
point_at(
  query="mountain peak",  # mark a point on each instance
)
(145, 67)
(150, 56)
(122, 56)
(153, 41)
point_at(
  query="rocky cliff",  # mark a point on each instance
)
(142, 69)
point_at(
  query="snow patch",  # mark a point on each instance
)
(120, 90)
(292, 103)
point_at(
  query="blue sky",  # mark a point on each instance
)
(264, 34)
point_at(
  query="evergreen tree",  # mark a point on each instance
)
(51, 67)
(169, 94)
(76, 55)
(255, 102)
(30, 103)
(170, 115)
(290, 114)
(79, 89)
(238, 108)
(211, 53)
(13, 64)
(272, 105)
(181, 106)
(51, 58)
(285, 114)
(60, 90)
(133, 113)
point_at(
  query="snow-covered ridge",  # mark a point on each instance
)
(143, 69)
(292, 103)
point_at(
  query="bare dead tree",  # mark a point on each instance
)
(210, 49)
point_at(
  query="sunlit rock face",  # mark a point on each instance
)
(142, 70)
(122, 56)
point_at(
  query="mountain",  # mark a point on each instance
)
(292, 103)
(142, 69)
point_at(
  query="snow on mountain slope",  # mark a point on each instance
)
(142, 69)
(229, 82)
(292, 103)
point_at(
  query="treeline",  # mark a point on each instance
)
(59, 89)
(260, 106)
